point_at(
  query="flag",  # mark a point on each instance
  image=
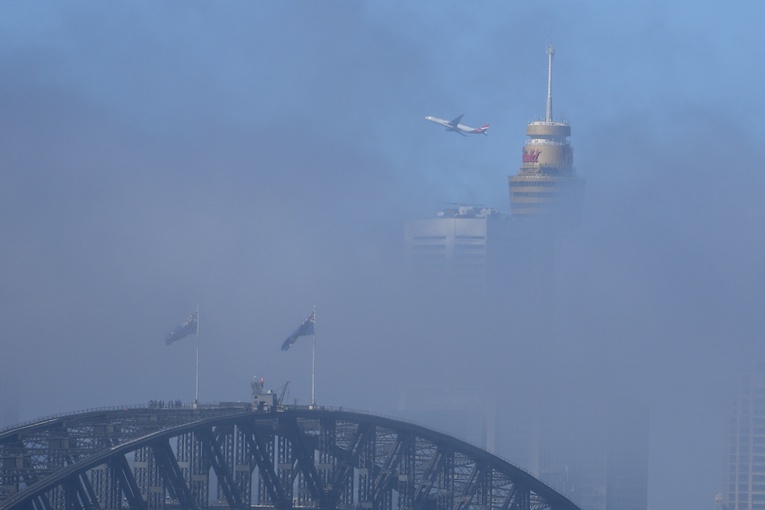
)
(305, 329)
(187, 327)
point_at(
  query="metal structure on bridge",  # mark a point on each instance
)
(237, 457)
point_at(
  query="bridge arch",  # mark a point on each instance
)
(325, 459)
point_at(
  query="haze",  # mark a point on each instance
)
(260, 158)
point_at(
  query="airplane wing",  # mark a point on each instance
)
(456, 121)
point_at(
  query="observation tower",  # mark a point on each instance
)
(546, 185)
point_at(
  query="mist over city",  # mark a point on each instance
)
(260, 159)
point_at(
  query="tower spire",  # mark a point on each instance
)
(550, 53)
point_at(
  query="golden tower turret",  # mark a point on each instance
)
(546, 185)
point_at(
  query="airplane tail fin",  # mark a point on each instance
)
(482, 130)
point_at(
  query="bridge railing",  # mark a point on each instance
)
(151, 405)
(75, 413)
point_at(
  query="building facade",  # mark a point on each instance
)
(466, 244)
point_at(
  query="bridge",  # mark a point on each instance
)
(233, 456)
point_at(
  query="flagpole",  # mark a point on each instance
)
(313, 362)
(196, 393)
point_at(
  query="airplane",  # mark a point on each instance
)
(458, 128)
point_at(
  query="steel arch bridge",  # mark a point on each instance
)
(234, 457)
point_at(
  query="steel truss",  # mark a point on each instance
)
(297, 458)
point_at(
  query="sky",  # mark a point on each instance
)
(257, 159)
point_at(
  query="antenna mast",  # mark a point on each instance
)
(550, 53)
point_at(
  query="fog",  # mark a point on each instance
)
(260, 159)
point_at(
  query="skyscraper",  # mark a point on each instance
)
(547, 185)
(744, 478)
